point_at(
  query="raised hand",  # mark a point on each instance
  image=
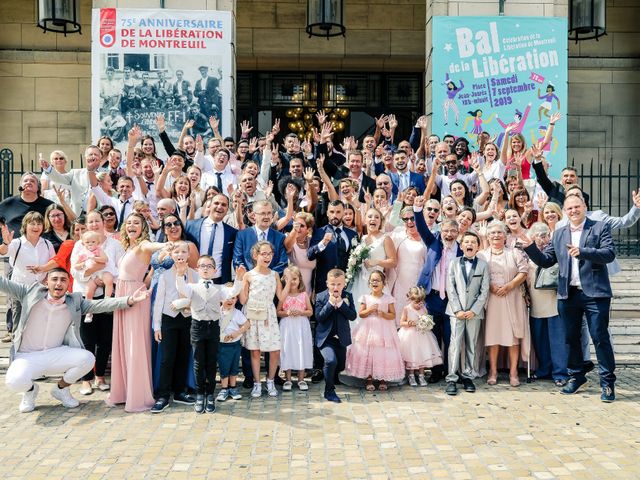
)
(268, 189)
(635, 195)
(183, 201)
(308, 174)
(214, 123)
(326, 132)
(240, 272)
(253, 144)
(382, 121)
(393, 123)
(140, 294)
(322, 117)
(161, 123)
(188, 125)
(7, 235)
(245, 128)
(276, 127)
(482, 228)
(555, 117)
(44, 164)
(421, 123)
(419, 201)
(290, 192)
(320, 162)
(536, 150)
(543, 198)
(199, 143)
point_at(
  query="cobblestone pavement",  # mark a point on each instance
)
(499, 432)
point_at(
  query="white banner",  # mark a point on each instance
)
(150, 62)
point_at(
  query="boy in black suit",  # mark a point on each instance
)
(334, 309)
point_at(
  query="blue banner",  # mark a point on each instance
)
(491, 72)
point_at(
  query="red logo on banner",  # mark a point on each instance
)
(107, 27)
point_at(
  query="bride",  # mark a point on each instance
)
(382, 255)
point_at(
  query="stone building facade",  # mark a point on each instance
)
(45, 78)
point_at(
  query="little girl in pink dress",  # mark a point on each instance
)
(419, 350)
(375, 349)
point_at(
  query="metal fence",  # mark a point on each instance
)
(609, 187)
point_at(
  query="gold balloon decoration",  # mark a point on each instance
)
(303, 125)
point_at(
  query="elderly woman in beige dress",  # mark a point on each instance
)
(506, 316)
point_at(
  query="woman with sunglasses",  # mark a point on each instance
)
(411, 253)
(161, 261)
(56, 225)
(110, 222)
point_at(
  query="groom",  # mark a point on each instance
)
(331, 245)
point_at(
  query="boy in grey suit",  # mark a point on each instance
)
(468, 291)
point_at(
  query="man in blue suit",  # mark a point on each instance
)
(582, 250)
(334, 309)
(245, 240)
(331, 245)
(442, 249)
(404, 179)
(215, 238)
(262, 230)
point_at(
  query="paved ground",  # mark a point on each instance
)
(498, 432)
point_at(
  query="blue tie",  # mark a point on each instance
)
(211, 238)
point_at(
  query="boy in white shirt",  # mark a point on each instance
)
(233, 324)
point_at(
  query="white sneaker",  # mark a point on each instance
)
(421, 380)
(256, 392)
(64, 395)
(271, 389)
(412, 380)
(28, 402)
(286, 386)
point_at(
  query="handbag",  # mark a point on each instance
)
(256, 311)
(547, 278)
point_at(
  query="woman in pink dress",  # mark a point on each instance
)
(374, 353)
(131, 381)
(507, 319)
(297, 244)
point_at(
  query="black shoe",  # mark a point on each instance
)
(247, 383)
(160, 406)
(573, 386)
(451, 389)
(317, 376)
(435, 377)
(183, 398)
(199, 405)
(468, 385)
(608, 394)
(211, 404)
(588, 366)
(278, 380)
(332, 397)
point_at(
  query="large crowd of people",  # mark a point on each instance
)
(376, 264)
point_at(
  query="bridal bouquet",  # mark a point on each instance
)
(425, 323)
(356, 259)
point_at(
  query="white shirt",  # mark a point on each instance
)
(574, 281)
(46, 327)
(118, 204)
(166, 293)
(231, 322)
(403, 180)
(210, 179)
(218, 243)
(28, 255)
(444, 181)
(260, 233)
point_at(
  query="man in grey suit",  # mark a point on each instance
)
(47, 339)
(77, 178)
(468, 291)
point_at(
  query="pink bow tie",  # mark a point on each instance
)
(579, 228)
(53, 301)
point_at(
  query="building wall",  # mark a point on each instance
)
(382, 35)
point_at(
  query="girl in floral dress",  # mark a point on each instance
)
(260, 286)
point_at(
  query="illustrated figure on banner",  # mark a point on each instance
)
(450, 101)
(547, 104)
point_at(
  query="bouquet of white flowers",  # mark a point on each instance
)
(425, 323)
(356, 259)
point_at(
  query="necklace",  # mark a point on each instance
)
(497, 252)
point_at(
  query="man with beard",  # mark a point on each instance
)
(442, 249)
(404, 179)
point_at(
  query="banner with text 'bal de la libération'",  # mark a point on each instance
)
(491, 72)
(154, 62)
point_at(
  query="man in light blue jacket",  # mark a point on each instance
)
(47, 338)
